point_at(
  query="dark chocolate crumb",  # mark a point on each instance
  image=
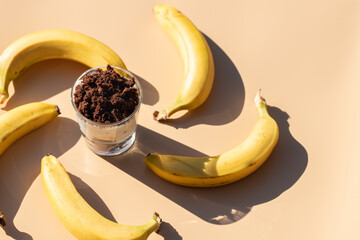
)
(106, 97)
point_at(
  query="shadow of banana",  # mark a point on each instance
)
(21, 163)
(229, 203)
(226, 99)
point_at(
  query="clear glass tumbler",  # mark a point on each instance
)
(109, 139)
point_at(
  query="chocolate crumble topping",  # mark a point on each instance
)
(106, 97)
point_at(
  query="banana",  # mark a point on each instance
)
(52, 44)
(23, 119)
(197, 58)
(225, 168)
(77, 215)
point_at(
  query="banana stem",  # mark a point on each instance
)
(158, 219)
(166, 113)
(160, 115)
(2, 219)
(259, 99)
(152, 226)
(260, 104)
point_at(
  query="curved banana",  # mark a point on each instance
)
(52, 44)
(77, 215)
(227, 167)
(197, 58)
(23, 119)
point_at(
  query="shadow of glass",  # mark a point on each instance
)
(226, 99)
(150, 94)
(21, 164)
(226, 204)
(44, 80)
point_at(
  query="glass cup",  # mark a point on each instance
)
(109, 139)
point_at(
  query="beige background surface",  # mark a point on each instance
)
(305, 57)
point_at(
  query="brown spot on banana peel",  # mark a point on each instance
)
(252, 164)
(2, 219)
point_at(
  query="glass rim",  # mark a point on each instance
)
(139, 87)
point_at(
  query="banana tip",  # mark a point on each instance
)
(259, 99)
(3, 98)
(158, 219)
(58, 109)
(158, 116)
(2, 220)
